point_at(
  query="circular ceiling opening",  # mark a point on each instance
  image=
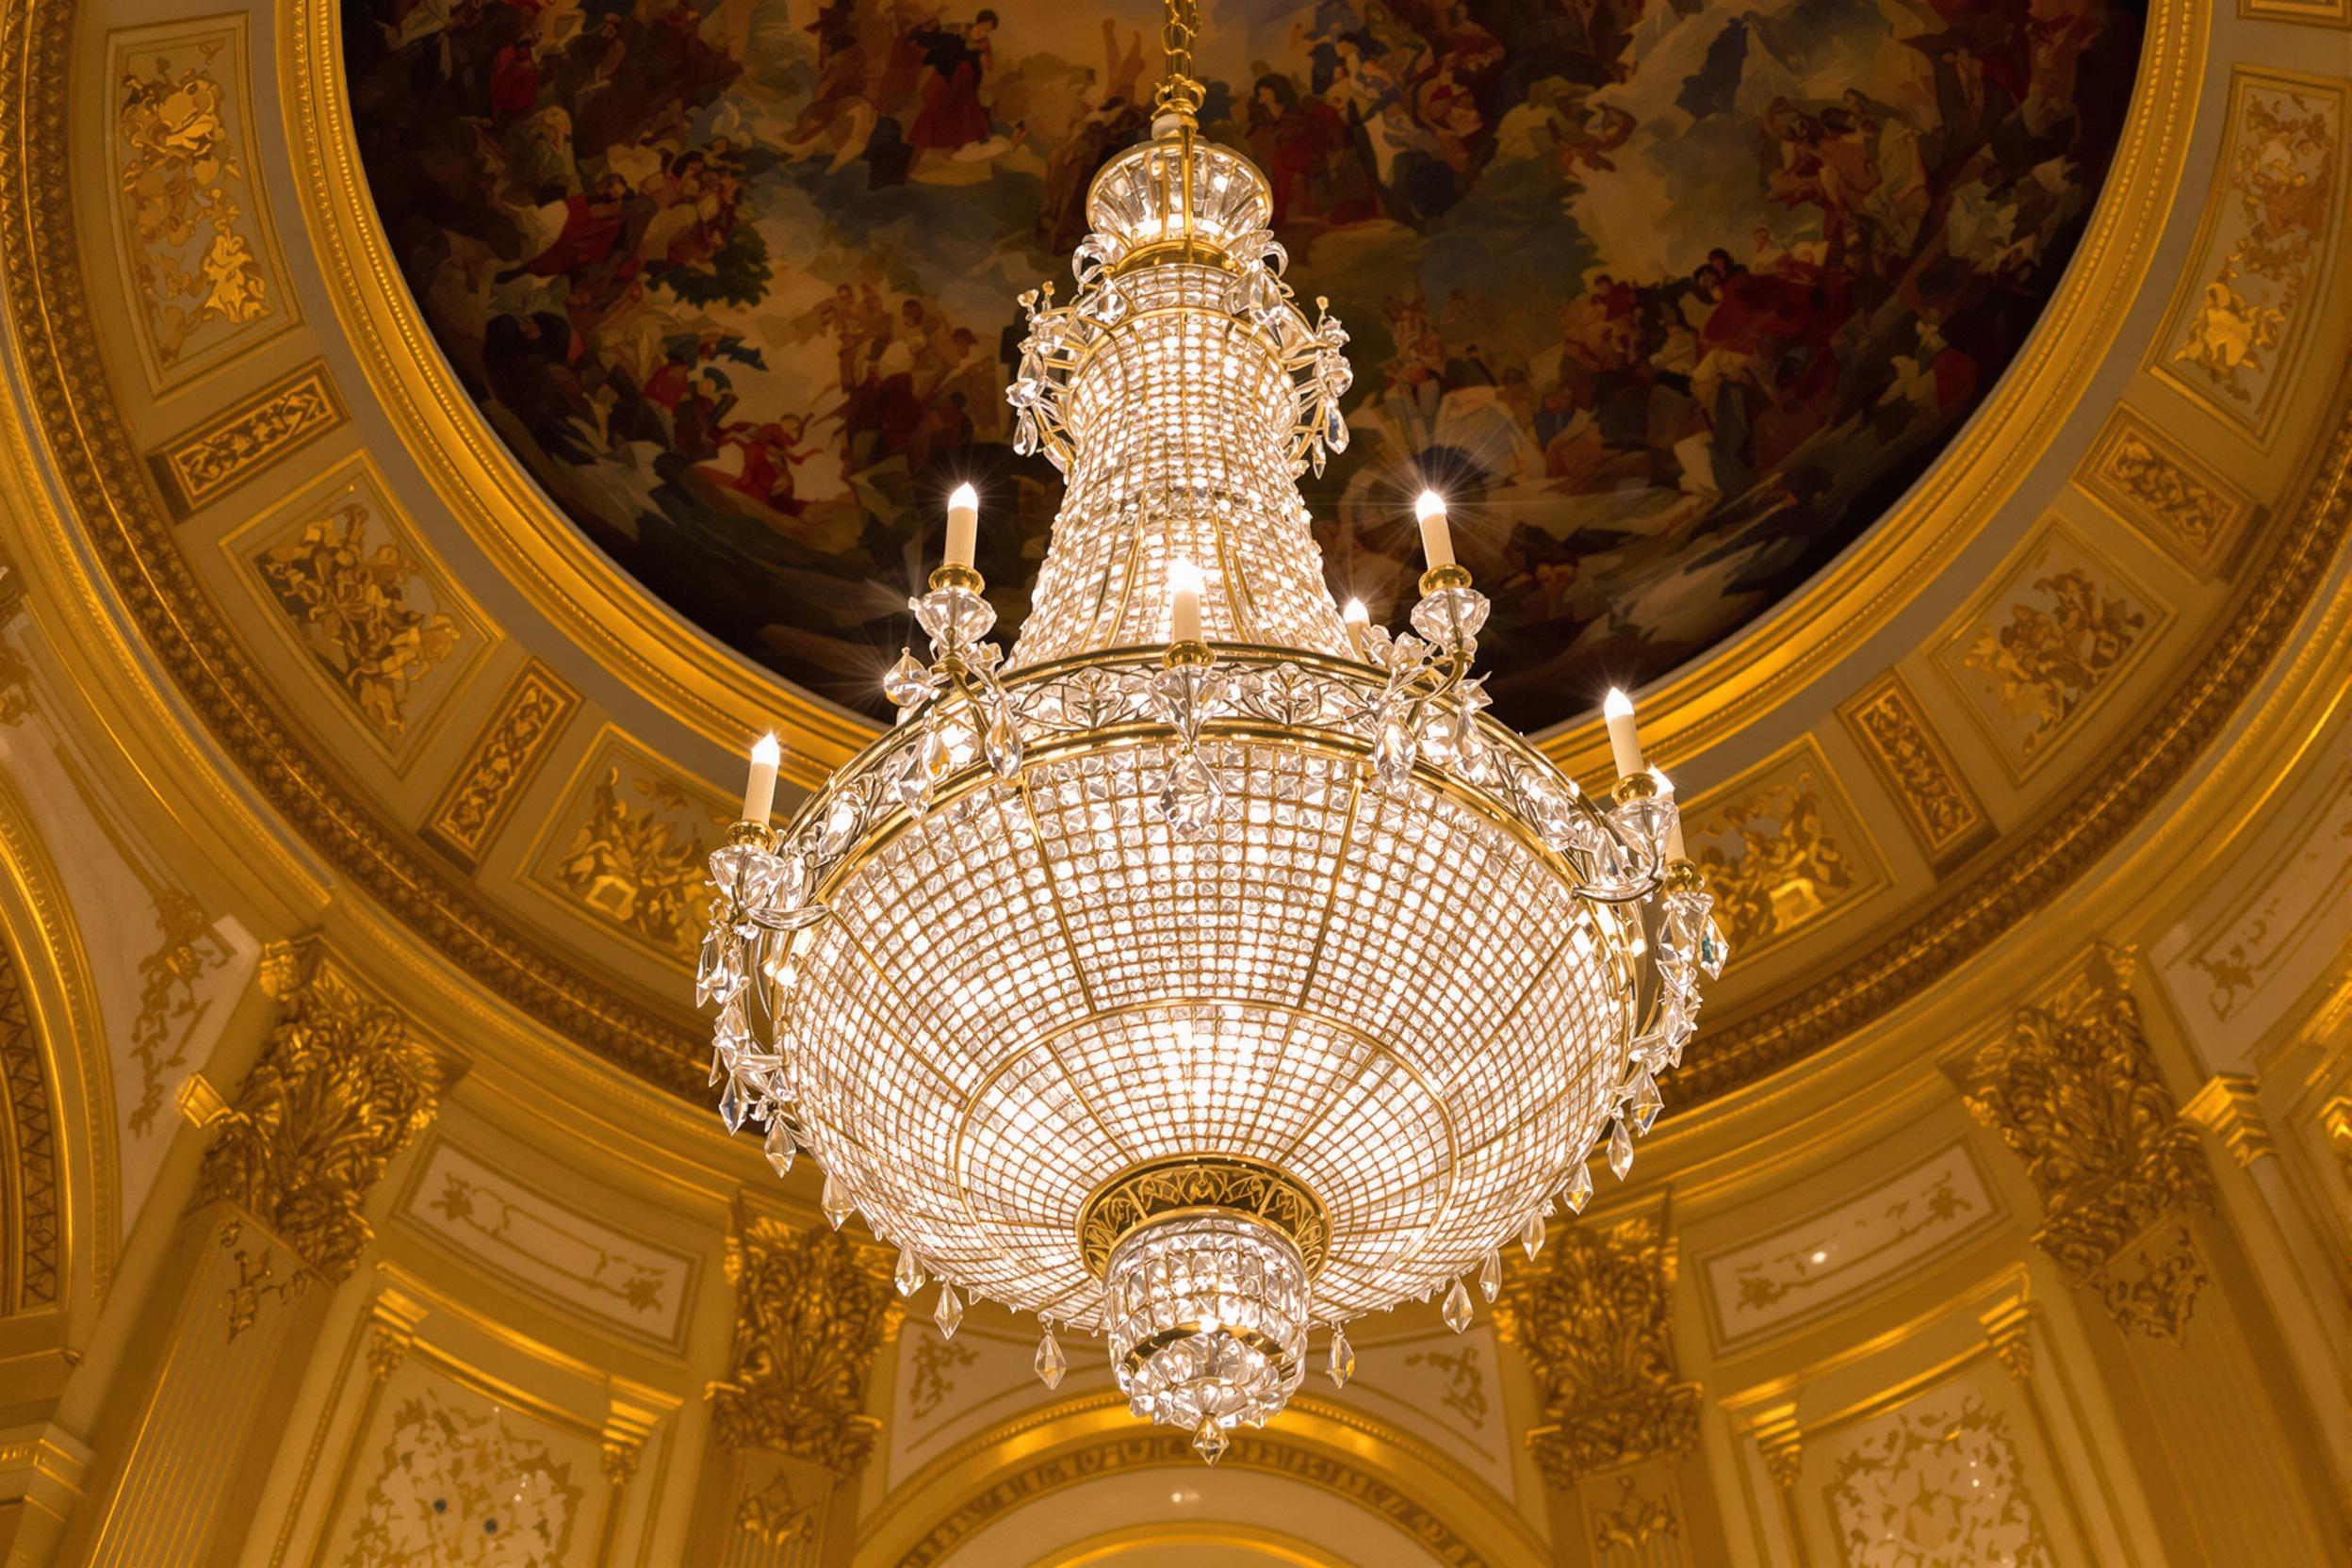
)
(1672, 298)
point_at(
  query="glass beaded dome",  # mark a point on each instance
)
(1195, 988)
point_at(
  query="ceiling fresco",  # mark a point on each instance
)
(1673, 299)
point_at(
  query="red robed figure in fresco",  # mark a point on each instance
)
(952, 115)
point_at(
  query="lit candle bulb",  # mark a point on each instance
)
(963, 525)
(1357, 620)
(1618, 710)
(1185, 581)
(1437, 540)
(767, 754)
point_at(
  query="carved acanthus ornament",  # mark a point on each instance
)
(2073, 1089)
(810, 1314)
(341, 1088)
(1596, 1326)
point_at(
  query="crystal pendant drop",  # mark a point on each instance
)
(909, 1276)
(835, 1203)
(1531, 1234)
(1002, 744)
(1209, 1440)
(1579, 1189)
(1191, 797)
(779, 1146)
(1491, 1275)
(907, 682)
(1051, 1363)
(731, 1108)
(1457, 1308)
(1343, 1357)
(1647, 1101)
(949, 1315)
(1392, 753)
(1621, 1149)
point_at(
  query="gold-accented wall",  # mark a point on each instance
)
(360, 1198)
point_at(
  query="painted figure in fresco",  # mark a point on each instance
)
(955, 58)
(1675, 301)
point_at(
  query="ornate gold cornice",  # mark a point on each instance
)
(2072, 1088)
(810, 1312)
(1595, 1324)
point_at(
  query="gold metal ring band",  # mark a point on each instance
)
(1188, 1185)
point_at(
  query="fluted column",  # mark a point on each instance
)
(789, 1425)
(340, 1088)
(1617, 1428)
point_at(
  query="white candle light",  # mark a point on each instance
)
(1357, 620)
(767, 754)
(1437, 540)
(1622, 745)
(963, 526)
(1185, 583)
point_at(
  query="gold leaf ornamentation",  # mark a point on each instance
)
(2072, 1088)
(1185, 1182)
(188, 949)
(809, 1315)
(501, 763)
(2183, 506)
(773, 1518)
(2267, 246)
(29, 1210)
(186, 196)
(1932, 1482)
(341, 1088)
(350, 601)
(637, 858)
(1772, 860)
(1942, 813)
(262, 430)
(2051, 654)
(1595, 1324)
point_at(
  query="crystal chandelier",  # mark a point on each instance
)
(1211, 966)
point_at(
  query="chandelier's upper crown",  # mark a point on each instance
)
(1183, 391)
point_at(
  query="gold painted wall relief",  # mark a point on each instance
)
(811, 1313)
(2073, 1089)
(341, 1087)
(195, 470)
(1911, 760)
(499, 764)
(2269, 233)
(1593, 1317)
(1772, 1281)
(31, 1225)
(554, 1250)
(2039, 650)
(628, 847)
(190, 224)
(375, 618)
(2180, 503)
(1783, 848)
(1936, 1482)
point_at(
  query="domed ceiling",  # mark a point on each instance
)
(1674, 299)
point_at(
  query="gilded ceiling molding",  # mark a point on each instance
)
(499, 764)
(1942, 810)
(2226, 1105)
(1265, 1453)
(342, 1086)
(2031, 868)
(258, 433)
(2072, 1087)
(1595, 1321)
(2187, 509)
(31, 1217)
(810, 1311)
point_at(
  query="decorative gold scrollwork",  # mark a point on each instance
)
(1188, 1184)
